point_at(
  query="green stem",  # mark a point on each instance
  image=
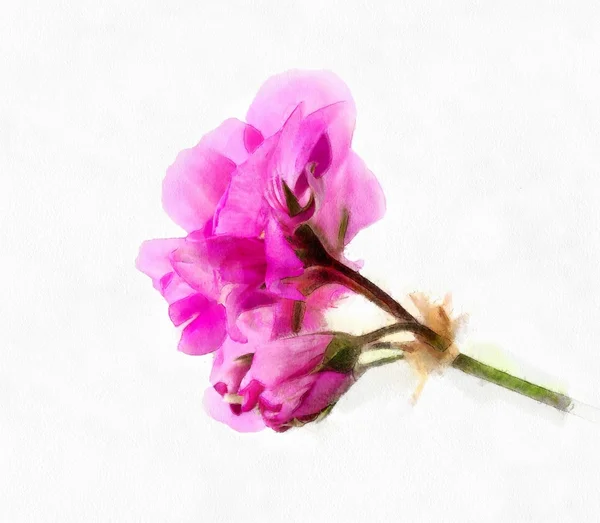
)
(402, 326)
(478, 369)
(356, 282)
(481, 370)
(309, 248)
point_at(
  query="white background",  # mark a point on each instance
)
(481, 120)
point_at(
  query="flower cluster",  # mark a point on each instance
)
(268, 206)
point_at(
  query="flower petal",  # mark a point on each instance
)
(153, 258)
(353, 200)
(189, 263)
(187, 308)
(229, 366)
(326, 138)
(205, 333)
(326, 390)
(281, 94)
(287, 358)
(220, 411)
(278, 404)
(207, 263)
(194, 184)
(243, 210)
(282, 263)
(233, 139)
(240, 301)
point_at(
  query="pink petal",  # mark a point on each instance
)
(353, 191)
(289, 146)
(277, 405)
(288, 358)
(326, 138)
(321, 140)
(175, 288)
(233, 139)
(228, 370)
(316, 305)
(190, 264)
(194, 184)
(250, 394)
(238, 260)
(208, 263)
(220, 411)
(187, 308)
(243, 210)
(281, 94)
(326, 390)
(282, 263)
(153, 258)
(241, 300)
(205, 333)
(283, 324)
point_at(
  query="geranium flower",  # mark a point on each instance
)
(280, 383)
(235, 194)
(268, 207)
(305, 172)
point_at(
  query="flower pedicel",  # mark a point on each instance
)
(268, 206)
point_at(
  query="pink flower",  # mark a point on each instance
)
(266, 206)
(229, 193)
(277, 383)
(304, 172)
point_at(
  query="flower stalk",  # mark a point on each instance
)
(466, 364)
(486, 372)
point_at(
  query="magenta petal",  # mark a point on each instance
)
(238, 260)
(194, 184)
(221, 388)
(288, 358)
(220, 411)
(205, 333)
(206, 263)
(312, 315)
(191, 264)
(229, 367)
(351, 191)
(252, 139)
(174, 288)
(243, 210)
(283, 319)
(326, 390)
(286, 398)
(188, 307)
(251, 392)
(281, 94)
(153, 258)
(233, 139)
(289, 147)
(320, 156)
(327, 136)
(242, 300)
(282, 262)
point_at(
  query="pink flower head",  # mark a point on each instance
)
(265, 204)
(279, 383)
(304, 172)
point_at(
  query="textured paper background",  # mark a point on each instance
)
(481, 119)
